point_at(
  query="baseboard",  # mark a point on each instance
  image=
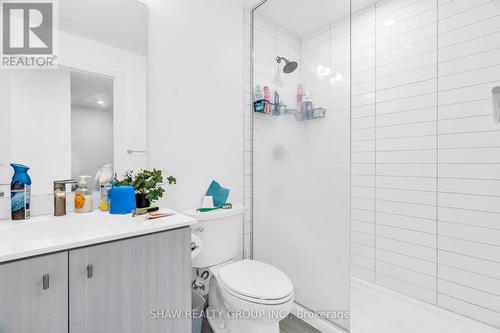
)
(318, 323)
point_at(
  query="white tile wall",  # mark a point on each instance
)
(247, 149)
(426, 152)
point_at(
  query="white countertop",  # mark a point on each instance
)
(46, 234)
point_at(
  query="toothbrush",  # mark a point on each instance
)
(204, 210)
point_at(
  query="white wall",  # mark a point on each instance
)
(5, 132)
(91, 140)
(426, 166)
(195, 97)
(40, 125)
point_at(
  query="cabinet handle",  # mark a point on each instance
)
(45, 281)
(90, 271)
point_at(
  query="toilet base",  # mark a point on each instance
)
(218, 325)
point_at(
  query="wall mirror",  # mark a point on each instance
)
(89, 111)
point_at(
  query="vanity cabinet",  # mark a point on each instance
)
(104, 288)
(114, 287)
(34, 295)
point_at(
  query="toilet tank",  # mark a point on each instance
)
(221, 234)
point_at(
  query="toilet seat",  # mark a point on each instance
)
(256, 282)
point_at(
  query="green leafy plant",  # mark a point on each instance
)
(147, 182)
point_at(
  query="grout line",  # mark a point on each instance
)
(470, 272)
(469, 256)
(406, 281)
(459, 299)
(471, 287)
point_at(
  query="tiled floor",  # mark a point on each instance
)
(289, 325)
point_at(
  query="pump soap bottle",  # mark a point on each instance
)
(83, 196)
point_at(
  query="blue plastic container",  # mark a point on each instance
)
(122, 200)
(20, 192)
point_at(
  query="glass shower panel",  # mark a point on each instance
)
(301, 149)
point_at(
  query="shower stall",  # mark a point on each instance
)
(377, 156)
(299, 152)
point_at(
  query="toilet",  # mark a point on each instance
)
(245, 296)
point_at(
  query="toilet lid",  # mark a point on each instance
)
(256, 280)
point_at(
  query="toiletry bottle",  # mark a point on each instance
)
(258, 93)
(106, 183)
(276, 107)
(83, 196)
(300, 93)
(267, 97)
(20, 192)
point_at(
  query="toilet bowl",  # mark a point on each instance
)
(245, 296)
(252, 296)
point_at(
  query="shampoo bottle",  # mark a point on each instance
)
(20, 192)
(106, 183)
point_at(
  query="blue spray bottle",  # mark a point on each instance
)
(20, 192)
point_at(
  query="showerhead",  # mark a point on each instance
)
(290, 66)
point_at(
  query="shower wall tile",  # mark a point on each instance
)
(469, 141)
(363, 144)
(427, 124)
(247, 112)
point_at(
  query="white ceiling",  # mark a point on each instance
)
(92, 92)
(304, 17)
(119, 23)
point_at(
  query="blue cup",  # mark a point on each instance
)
(122, 200)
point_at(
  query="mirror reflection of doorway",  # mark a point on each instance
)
(91, 123)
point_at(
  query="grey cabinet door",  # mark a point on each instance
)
(25, 306)
(127, 280)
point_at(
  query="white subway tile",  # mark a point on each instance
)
(470, 310)
(422, 142)
(469, 248)
(472, 202)
(408, 275)
(473, 296)
(407, 222)
(469, 217)
(407, 209)
(428, 254)
(469, 264)
(406, 288)
(410, 262)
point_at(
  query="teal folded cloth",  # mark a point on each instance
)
(218, 193)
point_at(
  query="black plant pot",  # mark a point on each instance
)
(141, 201)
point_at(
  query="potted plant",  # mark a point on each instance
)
(147, 184)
